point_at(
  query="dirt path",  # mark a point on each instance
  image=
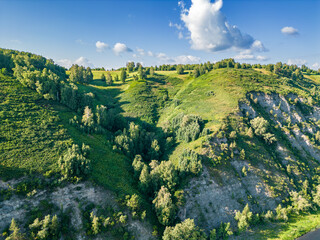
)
(315, 235)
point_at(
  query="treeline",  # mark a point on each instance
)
(281, 69)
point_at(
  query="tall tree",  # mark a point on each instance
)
(123, 75)
(109, 80)
(87, 119)
(164, 206)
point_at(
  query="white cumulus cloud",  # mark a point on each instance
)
(119, 48)
(290, 31)
(244, 57)
(101, 46)
(82, 61)
(210, 30)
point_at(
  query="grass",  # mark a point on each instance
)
(315, 78)
(40, 132)
(213, 96)
(110, 169)
(34, 133)
(32, 137)
(297, 226)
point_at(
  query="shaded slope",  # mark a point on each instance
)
(31, 135)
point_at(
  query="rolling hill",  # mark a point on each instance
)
(164, 148)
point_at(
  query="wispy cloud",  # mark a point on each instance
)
(67, 63)
(81, 42)
(248, 55)
(290, 31)
(141, 51)
(82, 61)
(175, 25)
(16, 41)
(315, 66)
(182, 59)
(210, 30)
(297, 61)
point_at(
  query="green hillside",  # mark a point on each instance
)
(32, 134)
(192, 145)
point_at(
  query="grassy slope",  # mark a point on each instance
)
(109, 168)
(34, 133)
(315, 78)
(228, 85)
(294, 228)
(31, 134)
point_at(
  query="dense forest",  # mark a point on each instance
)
(156, 138)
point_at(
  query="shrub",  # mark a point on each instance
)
(189, 162)
(224, 231)
(281, 213)
(299, 203)
(185, 230)
(244, 218)
(164, 206)
(260, 126)
(74, 163)
(186, 127)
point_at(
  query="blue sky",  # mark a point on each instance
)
(110, 33)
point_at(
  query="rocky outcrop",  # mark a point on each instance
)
(68, 198)
(214, 196)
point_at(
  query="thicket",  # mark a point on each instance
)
(47, 78)
(186, 128)
(105, 220)
(74, 164)
(137, 141)
(185, 230)
(98, 120)
(261, 127)
(79, 74)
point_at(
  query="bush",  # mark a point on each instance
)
(180, 69)
(244, 218)
(281, 213)
(185, 230)
(186, 127)
(164, 206)
(299, 203)
(260, 126)
(189, 162)
(74, 163)
(47, 228)
(224, 231)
